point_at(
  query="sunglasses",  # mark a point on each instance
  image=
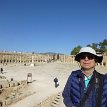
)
(89, 56)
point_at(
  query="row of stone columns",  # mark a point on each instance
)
(6, 58)
(10, 58)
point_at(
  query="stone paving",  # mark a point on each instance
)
(46, 95)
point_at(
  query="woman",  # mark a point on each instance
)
(86, 87)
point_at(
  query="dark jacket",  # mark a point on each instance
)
(74, 90)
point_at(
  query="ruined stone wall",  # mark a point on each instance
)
(13, 91)
(104, 59)
(28, 58)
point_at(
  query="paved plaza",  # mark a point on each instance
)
(42, 83)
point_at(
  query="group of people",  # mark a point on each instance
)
(86, 87)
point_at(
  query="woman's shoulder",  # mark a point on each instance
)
(76, 73)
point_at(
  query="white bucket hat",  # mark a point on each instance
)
(98, 58)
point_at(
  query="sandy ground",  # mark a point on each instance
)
(42, 75)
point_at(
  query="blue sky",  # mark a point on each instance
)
(51, 25)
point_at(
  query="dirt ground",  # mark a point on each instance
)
(42, 80)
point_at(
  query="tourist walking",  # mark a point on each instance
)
(56, 82)
(86, 87)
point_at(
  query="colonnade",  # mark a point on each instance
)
(27, 58)
(11, 57)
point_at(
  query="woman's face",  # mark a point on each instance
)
(87, 61)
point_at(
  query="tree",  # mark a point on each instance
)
(76, 50)
(94, 46)
(99, 47)
(103, 46)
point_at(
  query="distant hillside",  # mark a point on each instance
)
(51, 53)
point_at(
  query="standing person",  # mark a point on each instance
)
(56, 82)
(2, 70)
(86, 87)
